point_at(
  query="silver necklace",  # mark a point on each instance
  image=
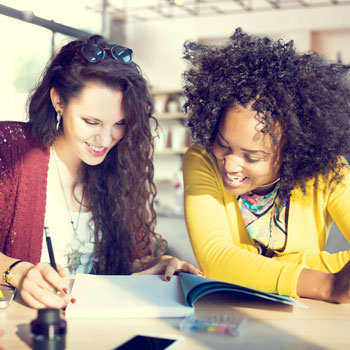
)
(74, 256)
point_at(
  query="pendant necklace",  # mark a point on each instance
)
(74, 256)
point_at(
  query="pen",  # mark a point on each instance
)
(49, 247)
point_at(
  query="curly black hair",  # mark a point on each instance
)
(308, 96)
(120, 191)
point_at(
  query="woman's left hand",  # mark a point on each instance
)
(168, 265)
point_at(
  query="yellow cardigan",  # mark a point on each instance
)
(221, 243)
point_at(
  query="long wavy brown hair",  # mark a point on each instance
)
(120, 191)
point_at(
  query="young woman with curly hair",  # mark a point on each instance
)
(81, 170)
(267, 176)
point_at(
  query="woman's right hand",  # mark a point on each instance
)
(331, 287)
(41, 286)
(340, 292)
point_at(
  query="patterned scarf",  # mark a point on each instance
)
(265, 218)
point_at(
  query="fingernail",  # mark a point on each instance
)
(64, 307)
(66, 290)
(73, 300)
(167, 278)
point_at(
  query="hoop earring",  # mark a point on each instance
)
(58, 117)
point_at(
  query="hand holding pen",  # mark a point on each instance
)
(65, 291)
(42, 285)
(49, 248)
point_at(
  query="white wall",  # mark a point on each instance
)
(332, 42)
(158, 45)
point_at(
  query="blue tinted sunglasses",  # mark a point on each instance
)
(96, 53)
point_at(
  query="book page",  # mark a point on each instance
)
(195, 287)
(127, 296)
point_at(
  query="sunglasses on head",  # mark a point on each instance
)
(96, 53)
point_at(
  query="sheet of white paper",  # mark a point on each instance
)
(126, 296)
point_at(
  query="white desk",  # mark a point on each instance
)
(270, 326)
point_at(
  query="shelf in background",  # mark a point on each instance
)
(170, 115)
(174, 91)
(170, 151)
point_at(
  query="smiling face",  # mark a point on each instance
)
(93, 123)
(247, 158)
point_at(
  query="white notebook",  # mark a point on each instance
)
(127, 296)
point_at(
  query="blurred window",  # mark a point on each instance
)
(26, 47)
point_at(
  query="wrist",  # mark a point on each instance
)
(326, 285)
(315, 284)
(14, 274)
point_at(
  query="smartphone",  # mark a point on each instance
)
(151, 342)
(8, 294)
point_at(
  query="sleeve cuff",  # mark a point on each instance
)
(287, 282)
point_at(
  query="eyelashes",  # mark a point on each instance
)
(246, 156)
(122, 122)
(252, 160)
(89, 122)
(92, 123)
(221, 145)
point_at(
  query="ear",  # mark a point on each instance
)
(56, 100)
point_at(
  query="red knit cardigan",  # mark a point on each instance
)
(23, 180)
(24, 163)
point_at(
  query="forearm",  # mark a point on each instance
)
(317, 260)
(221, 257)
(231, 257)
(222, 260)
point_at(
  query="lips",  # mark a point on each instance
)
(234, 180)
(96, 150)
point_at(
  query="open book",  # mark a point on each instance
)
(148, 295)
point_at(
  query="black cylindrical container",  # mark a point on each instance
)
(48, 330)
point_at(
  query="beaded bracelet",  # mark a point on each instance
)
(7, 275)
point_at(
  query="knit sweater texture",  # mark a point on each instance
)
(24, 163)
(221, 242)
(23, 180)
